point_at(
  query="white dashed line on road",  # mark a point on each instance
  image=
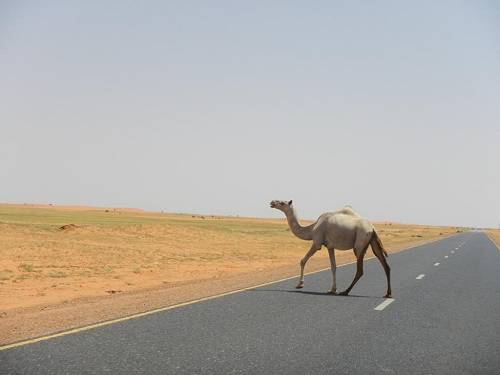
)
(421, 276)
(436, 264)
(384, 304)
(446, 256)
(452, 252)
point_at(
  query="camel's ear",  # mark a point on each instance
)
(290, 203)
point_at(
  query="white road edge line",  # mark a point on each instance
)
(384, 304)
(421, 276)
(436, 264)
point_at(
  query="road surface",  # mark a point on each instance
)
(444, 319)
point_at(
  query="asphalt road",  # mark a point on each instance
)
(446, 322)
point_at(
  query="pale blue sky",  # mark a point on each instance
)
(219, 107)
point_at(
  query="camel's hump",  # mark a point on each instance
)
(347, 210)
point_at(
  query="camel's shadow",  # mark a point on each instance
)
(324, 294)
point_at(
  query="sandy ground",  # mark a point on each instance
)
(494, 234)
(106, 263)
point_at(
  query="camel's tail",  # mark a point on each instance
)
(377, 245)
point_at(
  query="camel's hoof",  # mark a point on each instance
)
(332, 292)
(388, 296)
(344, 293)
(300, 286)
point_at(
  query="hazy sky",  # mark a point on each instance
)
(219, 107)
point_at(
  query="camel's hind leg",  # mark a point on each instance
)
(359, 272)
(377, 250)
(387, 270)
(360, 247)
(303, 262)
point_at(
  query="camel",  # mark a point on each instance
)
(340, 230)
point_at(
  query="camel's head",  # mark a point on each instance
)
(281, 205)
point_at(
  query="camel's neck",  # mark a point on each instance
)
(304, 233)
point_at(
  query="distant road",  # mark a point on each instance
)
(444, 319)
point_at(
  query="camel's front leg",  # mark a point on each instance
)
(333, 264)
(303, 262)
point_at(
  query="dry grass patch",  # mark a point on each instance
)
(6, 275)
